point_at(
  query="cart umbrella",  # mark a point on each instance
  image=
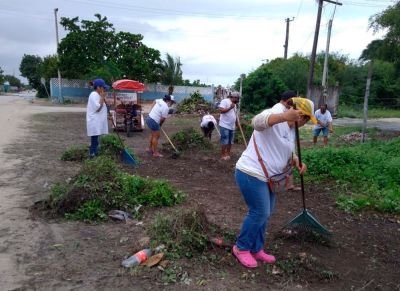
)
(129, 85)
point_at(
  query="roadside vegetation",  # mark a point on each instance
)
(362, 176)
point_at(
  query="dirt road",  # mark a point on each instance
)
(380, 123)
(18, 233)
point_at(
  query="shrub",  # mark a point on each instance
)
(189, 138)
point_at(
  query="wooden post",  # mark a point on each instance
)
(366, 96)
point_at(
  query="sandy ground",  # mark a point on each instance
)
(18, 234)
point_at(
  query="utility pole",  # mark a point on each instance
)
(366, 96)
(287, 37)
(242, 76)
(61, 99)
(315, 44)
(325, 72)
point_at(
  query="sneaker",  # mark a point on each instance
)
(157, 155)
(244, 257)
(264, 257)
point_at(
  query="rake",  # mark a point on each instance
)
(305, 219)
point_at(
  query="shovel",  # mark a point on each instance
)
(177, 153)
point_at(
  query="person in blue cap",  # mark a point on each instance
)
(96, 115)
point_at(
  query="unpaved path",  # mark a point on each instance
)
(18, 233)
(380, 123)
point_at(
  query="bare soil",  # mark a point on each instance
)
(364, 253)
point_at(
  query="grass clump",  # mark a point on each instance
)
(110, 146)
(185, 233)
(188, 139)
(101, 186)
(367, 174)
(76, 153)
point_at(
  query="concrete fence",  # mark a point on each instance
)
(79, 90)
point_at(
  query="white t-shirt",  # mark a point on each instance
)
(206, 119)
(227, 119)
(275, 144)
(324, 118)
(96, 122)
(159, 110)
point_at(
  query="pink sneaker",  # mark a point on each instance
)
(244, 257)
(264, 257)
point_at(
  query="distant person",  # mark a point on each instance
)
(158, 114)
(324, 118)
(207, 125)
(96, 115)
(227, 123)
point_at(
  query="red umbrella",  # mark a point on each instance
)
(126, 84)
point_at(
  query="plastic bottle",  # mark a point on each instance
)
(137, 258)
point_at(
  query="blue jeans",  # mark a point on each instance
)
(227, 135)
(261, 203)
(94, 145)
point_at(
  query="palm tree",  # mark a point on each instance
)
(171, 71)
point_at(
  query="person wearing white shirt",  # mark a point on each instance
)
(158, 113)
(324, 118)
(268, 154)
(96, 115)
(227, 123)
(207, 125)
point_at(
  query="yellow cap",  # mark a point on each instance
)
(306, 106)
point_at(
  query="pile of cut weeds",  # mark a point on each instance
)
(101, 186)
(195, 104)
(187, 233)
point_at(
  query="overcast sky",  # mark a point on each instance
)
(217, 40)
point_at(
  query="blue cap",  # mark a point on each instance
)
(100, 83)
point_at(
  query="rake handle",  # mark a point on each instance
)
(241, 130)
(296, 125)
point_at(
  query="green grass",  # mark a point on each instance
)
(366, 175)
(357, 112)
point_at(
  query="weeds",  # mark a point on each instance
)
(110, 145)
(75, 153)
(185, 234)
(101, 186)
(370, 171)
(188, 139)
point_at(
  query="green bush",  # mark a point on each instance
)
(370, 171)
(189, 138)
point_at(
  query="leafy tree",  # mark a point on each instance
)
(14, 81)
(93, 48)
(261, 89)
(30, 69)
(171, 71)
(388, 48)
